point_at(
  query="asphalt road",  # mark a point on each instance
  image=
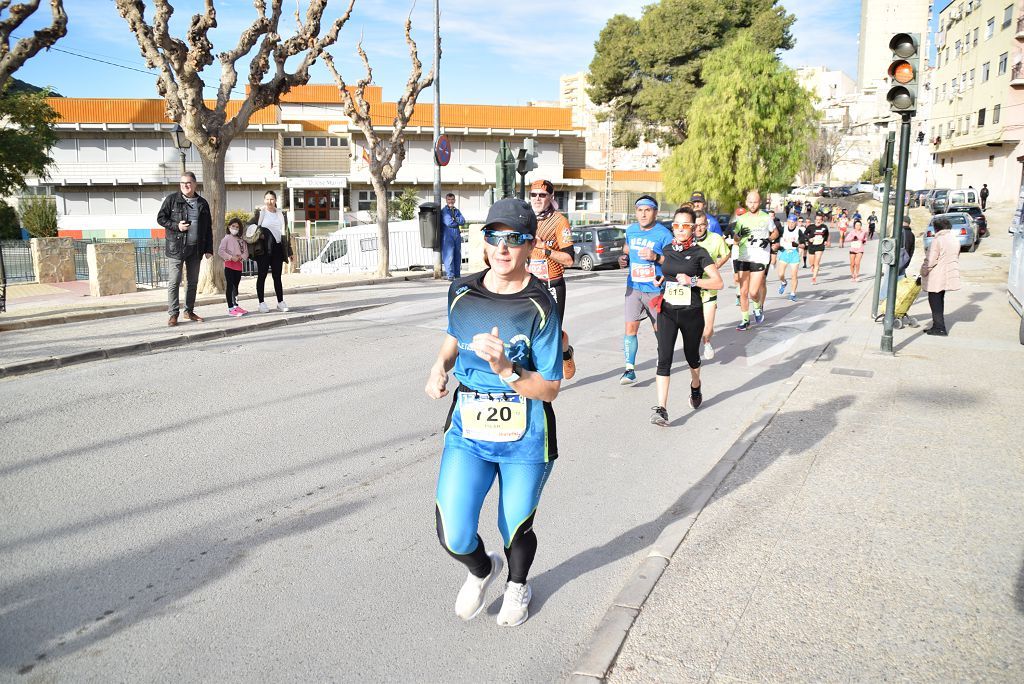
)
(261, 507)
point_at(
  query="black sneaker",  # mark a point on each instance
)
(695, 397)
(744, 325)
(660, 416)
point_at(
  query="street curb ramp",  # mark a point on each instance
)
(602, 651)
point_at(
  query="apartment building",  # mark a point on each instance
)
(115, 160)
(973, 128)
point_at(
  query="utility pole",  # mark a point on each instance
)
(437, 131)
(890, 143)
(609, 170)
(902, 98)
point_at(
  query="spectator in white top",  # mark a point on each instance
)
(273, 223)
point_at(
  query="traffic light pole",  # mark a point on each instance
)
(897, 229)
(890, 143)
(522, 185)
(438, 271)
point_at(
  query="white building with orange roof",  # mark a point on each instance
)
(115, 160)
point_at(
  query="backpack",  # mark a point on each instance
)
(254, 238)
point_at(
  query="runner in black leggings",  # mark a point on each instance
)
(687, 268)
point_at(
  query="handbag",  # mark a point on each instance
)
(254, 238)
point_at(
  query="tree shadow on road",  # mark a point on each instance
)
(1018, 591)
(804, 430)
(50, 615)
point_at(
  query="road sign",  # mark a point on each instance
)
(442, 150)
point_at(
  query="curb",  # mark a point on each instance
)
(54, 362)
(206, 300)
(203, 300)
(601, 652)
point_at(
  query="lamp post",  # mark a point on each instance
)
(181, 142)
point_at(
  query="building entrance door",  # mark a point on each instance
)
(317, 204)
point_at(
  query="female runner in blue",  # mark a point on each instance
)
(504, 346)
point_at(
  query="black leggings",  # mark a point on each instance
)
(937, 303)
(270, 262)
(557, 288)
(690, 322)
(233, 278)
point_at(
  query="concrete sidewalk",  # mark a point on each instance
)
(873, 530)
(33, 305)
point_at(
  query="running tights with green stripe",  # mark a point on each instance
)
(462, 486)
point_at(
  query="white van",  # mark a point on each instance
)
(969, 196)
(354, 250)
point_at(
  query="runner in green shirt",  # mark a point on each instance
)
(720, 252)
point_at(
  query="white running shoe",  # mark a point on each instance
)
(470, 600)
(264, 308)
(515, 606)
(281, 306)
(709, 351)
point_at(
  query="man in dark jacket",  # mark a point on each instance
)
(188, 237)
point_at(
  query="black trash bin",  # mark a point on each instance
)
(430, 231)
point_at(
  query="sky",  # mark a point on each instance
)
(493, 52)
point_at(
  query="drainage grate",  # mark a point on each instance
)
(855, 372)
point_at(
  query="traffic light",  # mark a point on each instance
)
(903, 72)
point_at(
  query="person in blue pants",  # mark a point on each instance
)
(451, 238)
(504, 346)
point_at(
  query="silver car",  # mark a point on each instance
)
(963, 226)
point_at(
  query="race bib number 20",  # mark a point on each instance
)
(493, 419)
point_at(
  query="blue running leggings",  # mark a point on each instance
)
(462, 486)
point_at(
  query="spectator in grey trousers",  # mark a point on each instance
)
(188, 238)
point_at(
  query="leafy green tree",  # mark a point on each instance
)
(749, 127)
(38, 215)
(25, 139)
(650, 69)
(405, 205)
(10, 228)
(873, 174)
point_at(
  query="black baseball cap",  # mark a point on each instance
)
(698, 196)
(514, 213)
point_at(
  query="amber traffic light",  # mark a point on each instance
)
(903, 72)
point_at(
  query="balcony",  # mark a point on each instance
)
(1017, 76)
(1019, 35)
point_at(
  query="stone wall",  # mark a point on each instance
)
(53, 259)
(111, 268)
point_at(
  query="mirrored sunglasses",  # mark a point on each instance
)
(683, 225)
(510, 238)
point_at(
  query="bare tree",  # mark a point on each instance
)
(25, 48)
(180, 82)
(829, 146)
(386, 154)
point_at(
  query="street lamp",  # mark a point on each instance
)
(182, 142)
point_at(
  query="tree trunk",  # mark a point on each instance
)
(211, 274)
(383, 237)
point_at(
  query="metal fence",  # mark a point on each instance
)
(17, 261)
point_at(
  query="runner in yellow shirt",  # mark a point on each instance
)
(715, 245)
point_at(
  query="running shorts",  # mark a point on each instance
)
(638, 305)
(751, 266)
(815, 249)
(789, 256)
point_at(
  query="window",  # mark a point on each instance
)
(310, 142)
(121, 150)
(967, 42)
(288, 142)
(321, 142)
(1002, 63)
(942, 162)
(975, 41)
(1007, 15)
(990, 28)
(953, 88)
(365, 198)
(584, 201)
(995, 113)
(981, 117)
(967, 124)
(956, 48)
(991, 160)
(92, 150)
(972, 79)
(126, 202)
(984, 71)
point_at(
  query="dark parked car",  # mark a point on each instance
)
(975, 211)
(938, 200)
(599, 245)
